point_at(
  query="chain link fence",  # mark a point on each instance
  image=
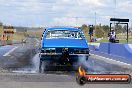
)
(121, 33)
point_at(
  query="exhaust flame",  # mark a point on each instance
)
(81, 71)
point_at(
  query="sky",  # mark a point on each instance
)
(62, 12)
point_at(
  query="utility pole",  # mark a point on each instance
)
(76, 19)
(95, 20)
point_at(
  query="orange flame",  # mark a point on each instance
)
(81, 71)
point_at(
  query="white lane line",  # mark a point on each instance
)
(7, 54)
(22, 71)
(37, 40)
(111, 59)
(37, 44)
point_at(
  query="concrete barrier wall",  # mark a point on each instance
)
(118, 49)
(104, 47)
(94, 47)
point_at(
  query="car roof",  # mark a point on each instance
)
(64, 28)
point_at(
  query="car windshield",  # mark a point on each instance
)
(65, 34)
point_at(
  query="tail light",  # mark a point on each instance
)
(81, 51)
(48, 50)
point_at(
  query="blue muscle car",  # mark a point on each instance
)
(63, 46)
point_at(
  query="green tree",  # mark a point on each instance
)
(106, 28)
(124, 29)
(99, 32)
(1, 29)
(118, 29)
(85, 29)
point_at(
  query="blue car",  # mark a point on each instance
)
(62, 46)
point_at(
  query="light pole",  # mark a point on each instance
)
(115, 2)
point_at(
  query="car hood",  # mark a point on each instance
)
(67, 43)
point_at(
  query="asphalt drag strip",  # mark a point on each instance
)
(18, 56)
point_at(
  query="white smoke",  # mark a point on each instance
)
(82, 61)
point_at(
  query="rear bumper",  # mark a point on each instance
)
(56, 57)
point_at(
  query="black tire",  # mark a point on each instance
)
(41, 66)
